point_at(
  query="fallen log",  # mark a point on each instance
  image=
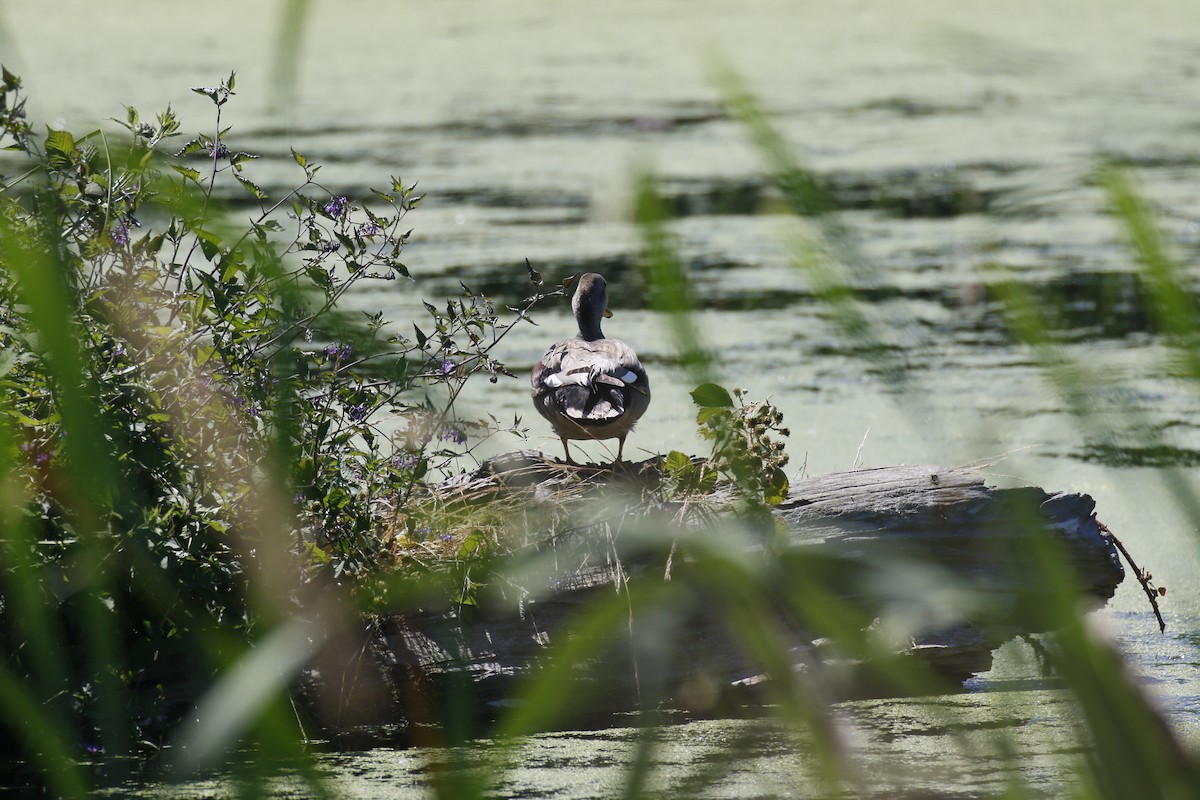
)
(932, 521)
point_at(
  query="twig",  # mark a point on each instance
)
(858, 454)
(1142, 576)
(1044, 658)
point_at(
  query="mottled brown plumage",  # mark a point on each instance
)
(590, 387)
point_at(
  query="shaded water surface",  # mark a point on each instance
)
(958, 141)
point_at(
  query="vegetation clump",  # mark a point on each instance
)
(190, 415)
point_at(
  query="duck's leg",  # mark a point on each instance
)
(567, 450)
(620, 448)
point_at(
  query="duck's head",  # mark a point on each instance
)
(590, 304)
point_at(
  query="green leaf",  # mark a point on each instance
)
(8, 360)
(251, 186)
(776, 489)
(208, 91)
(197, 145)
(210, 243)
(706, 414)
(236, 159)
(187, 172)
(320, 277)
(301, 160)
(23, 419)
(710, 395)
(60, 141)
(60, 146)
(676, 462)
(472, 544)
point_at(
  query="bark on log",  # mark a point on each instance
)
(944, 519)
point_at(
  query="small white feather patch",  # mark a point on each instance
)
(556, 380)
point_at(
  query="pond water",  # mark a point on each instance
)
(958, 138)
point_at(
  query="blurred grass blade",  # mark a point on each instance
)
(667, 283)
(1077, 386)
(831, 260)
(553, 692)
(45, 740)
(1173, 308)
(246, 689)
(753, 622)
(32, 711)
(44, 283)
(44, 287)
(285, 62)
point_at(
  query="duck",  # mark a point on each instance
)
(590, 387)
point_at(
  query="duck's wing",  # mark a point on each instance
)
(594, 382)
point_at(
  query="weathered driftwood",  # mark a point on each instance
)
(864, 521)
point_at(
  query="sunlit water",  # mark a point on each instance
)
(959, 139)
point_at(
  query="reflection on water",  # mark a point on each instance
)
(957, 139)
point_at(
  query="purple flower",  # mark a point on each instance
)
(336, 206)
(244, 404)
(357, 413)
(405, 462)
(445, 537)
(363, 231)
(448, 366)
(454, 435)
(218, 150)
(339, 352)
(120, 235)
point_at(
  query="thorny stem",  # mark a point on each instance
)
(331, 300)
(1142, 577)
(212, 179)
(522, 314)
(459, 385)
